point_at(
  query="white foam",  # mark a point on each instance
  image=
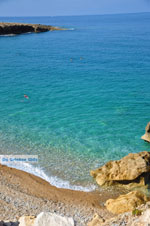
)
(53, 180)
(8, 35)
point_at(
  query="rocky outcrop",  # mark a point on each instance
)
(131, 171)
(146, 136)
(19, 28)
(126, 203)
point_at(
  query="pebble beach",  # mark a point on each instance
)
(25, 194)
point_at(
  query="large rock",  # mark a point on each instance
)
(26, 220)
(146, 136)
(49, 219)
(131, 171)
(126, 203)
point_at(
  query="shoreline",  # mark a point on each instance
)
(26, 194)
(54, 180)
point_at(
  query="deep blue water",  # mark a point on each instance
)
(88, 88)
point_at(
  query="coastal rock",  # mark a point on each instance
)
(131, 171)
(19, 28)
(126, 203)
(49, 219)
(146, 136)
(26, 220)
(96, 221)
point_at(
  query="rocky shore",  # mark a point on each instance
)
(20, 28)
(27, 200)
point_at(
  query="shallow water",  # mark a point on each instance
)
(88, 88)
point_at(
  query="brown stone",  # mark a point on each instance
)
(96, 221)
(146, 136)
(126, 203)
(131, 171)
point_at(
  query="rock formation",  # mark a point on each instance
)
(19, 28)
(126, 203)
(131, 171)
(146, 136)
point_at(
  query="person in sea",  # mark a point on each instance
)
(25, 96)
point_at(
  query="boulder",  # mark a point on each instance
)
(50, 219)
(26, 220)
(126, 203)
(131, 171)
(146, 136)
(96, 221)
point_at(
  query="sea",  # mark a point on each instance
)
(88, 89)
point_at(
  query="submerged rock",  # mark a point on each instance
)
(126, 203)
(131, 171)
(146, 136)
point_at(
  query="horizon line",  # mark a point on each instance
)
(81, 15)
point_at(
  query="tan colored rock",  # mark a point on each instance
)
(26, 220)
(133, 169)
(50, 219)
(96, 221)
(126, 203)
(146, 136)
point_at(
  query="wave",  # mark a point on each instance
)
(53, 180)
(9, 35)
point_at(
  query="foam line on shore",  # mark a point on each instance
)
(53, 180)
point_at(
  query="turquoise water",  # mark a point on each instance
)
(88, 88)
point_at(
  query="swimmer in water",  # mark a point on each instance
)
(25, 96)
